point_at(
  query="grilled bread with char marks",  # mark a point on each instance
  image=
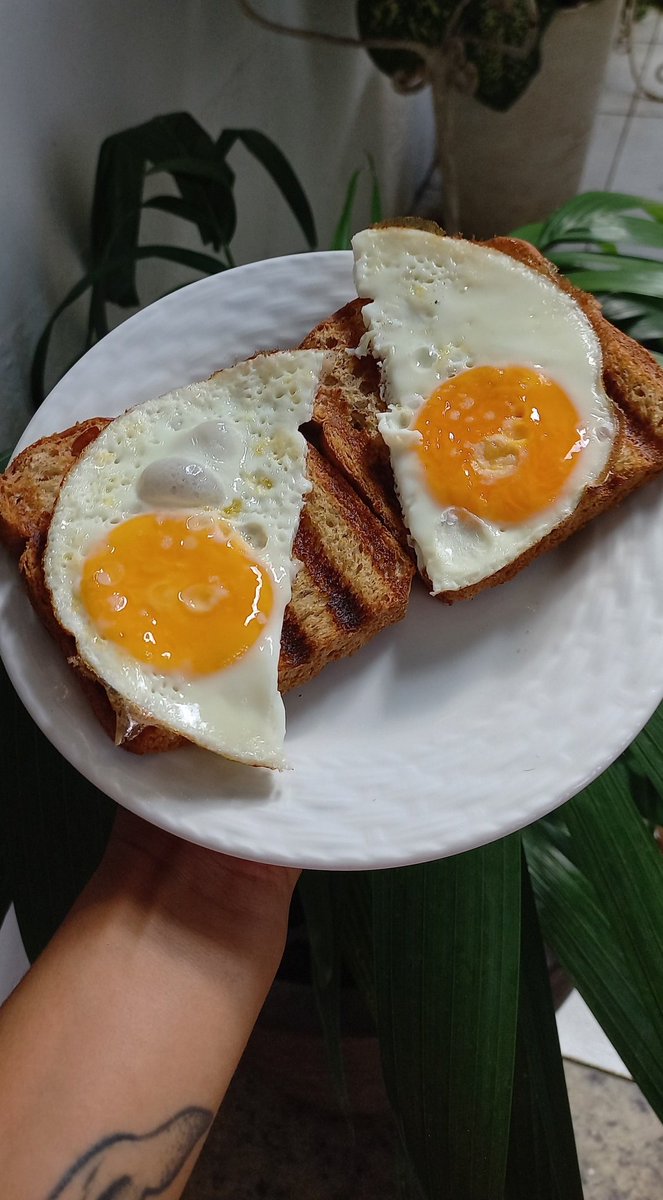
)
(353, 581)
(349, 404)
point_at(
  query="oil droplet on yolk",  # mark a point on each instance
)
(500, 442)
(181, 593)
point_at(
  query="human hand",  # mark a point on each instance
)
(194, 894)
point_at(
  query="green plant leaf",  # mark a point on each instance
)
(343, 231)
(646, 278)
(647, 798)
(213, 170)
(179, 136)
(447, 946)
(38, 367)
(122, 166)
(316, 895)
(204, 263)
(376, 196)
(580, 213)
(53, 830)
(529, 233)
(5, 456)
(620, 860)
(603, 951)
(542, 1155)
(176, 207)
(647, 749)
(654, 209)
(637, 230)
(115, 216)
(276, 164)
(607, 262)
(353, 901)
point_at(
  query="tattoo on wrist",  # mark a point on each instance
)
(131, 1166)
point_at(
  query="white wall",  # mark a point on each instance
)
(73, 71)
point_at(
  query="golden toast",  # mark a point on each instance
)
(349, 405)
(353, 581)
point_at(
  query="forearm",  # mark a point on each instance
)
(132, 1023)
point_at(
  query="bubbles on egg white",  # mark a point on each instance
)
(178, 483)
(255, 534)
(217, 440)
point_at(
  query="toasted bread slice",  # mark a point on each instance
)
(346, 419)
(346, 412)
(354, 580)
(30, 485)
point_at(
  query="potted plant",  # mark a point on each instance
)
(514, 88)
(448, 956)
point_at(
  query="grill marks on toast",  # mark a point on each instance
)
(346, 413)
(345, 606)
(353, 579)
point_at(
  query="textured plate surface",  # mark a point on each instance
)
(455, 727)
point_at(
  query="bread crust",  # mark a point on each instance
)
(30, 485)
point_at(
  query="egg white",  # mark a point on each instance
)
(229, 447)
(440, 306)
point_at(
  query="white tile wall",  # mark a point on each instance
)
(626, 152)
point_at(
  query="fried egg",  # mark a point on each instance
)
(169, 555)
(497, 420)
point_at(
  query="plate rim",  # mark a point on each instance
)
(379, 858)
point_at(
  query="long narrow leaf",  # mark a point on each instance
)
(177, 136)
(121, 170)
(376, 196)
(353, 902)
(579, 212)
(315, 893)
(542, 1155)
(648, 283)
(276, 164)
(575, 925)
(626, 307)
(594, 260)
(176, 207)
(214, 170)
(647, 749)
(619, 858)
(193, 259)
(38, 368)
(115, 216)
(343, 231)
(530, 233)
(627, 229)
(447, 945)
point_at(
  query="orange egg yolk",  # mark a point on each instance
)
(182, 593)
(500, 442)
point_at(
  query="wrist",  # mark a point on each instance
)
(187, 899)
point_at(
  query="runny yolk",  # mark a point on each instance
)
(181, 593)
(499, 442)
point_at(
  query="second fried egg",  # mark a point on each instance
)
(497, 417)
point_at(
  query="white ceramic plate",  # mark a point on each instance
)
(455, 727)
